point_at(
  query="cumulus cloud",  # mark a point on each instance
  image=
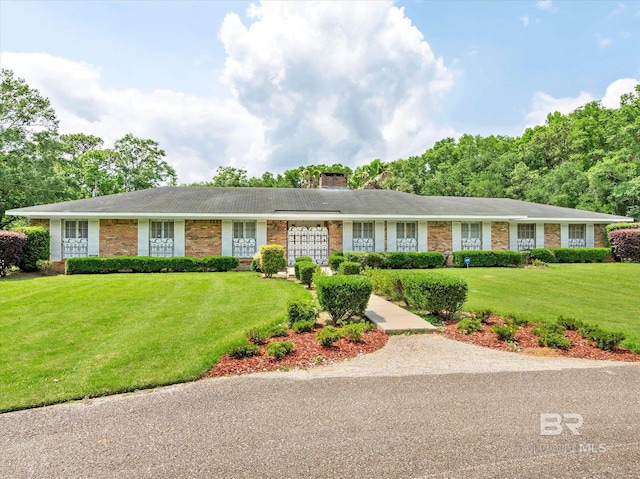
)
(335, 81)
(546, 5)
(197, 133)
(542, 103)
(525, 20)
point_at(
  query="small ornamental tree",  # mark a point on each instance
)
(625, 244)
(272, 259)
(12, 244)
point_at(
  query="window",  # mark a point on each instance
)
(526, 236)
(577, 236)
(471, 235)
(406, 237)
(244, 239)
(363, 236)
(161, 238)
(75, 242)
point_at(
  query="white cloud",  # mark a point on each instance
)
(619, 9)
(546, 5)
(335, 81)
(604, 42)
(197, 133)
(542, 103)
(611, 98)
(525, 20)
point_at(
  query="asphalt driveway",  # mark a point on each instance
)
(398, 423)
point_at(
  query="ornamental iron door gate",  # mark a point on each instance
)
(308, 241)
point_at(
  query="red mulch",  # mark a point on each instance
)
(308, 352)
(527, 342)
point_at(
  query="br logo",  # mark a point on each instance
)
(554, 424)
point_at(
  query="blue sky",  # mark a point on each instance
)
(271, 86)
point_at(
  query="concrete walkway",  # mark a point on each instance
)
(393, 319)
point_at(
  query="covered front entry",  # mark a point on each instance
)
(305, 240)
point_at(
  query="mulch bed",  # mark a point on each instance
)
(307, 353)
(527, 343)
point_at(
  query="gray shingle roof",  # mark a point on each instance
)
(280, 202)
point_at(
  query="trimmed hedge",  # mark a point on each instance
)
(542, 254)
(580, 255)
(334, 261)
(300, 259)
(149, 264)
(442, 295)
(620, 226)
(625, 244)
(386, 283)
(343, 296)
(272, 259)
(12, 245)
(349, 268)
(488, 258)
(301, 310)
(396, 259)
(37, 248)
(306, 270)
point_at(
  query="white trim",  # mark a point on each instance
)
(55, 239)
(539, 235)
(227, 238)
(178, 238)
(392, 236)
(379, 237)
(143, 237)
(513, 236)
(423, 241)
(93, 241)
(590, 236)
(486, 235)
(261, 234)
(564, 235)
(456, 236)
(347, 235)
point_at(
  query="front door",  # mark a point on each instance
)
(310, 241)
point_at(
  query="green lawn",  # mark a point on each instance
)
(605, 294)
(68, 337)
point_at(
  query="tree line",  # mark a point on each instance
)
(587, 159)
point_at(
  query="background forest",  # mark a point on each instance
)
(587, 159)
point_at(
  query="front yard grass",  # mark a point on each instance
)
(602, 294)
(70, 337)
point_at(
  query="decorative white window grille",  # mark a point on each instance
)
(75, 241)
(471, 236)
(161, 239)
(308, 241)
(363, 236)
(577, 236)
(526, 236)
(406, 237)
(244, 239)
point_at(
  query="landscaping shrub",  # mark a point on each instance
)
(511, 319)
(343, 296)
(570, 324)
(137, 264)
(440, 294)
(272, 259)
(398, 260)
(552, 336)
(542, 254)
(488, 258)
(278, 331)
(428, 259)
(484, 315)
(303, 326)
(307, 270)
(218, 263)
(395, 260)
(619, 226)
(255, 263)
(36, 249)
(625, 244)
(505, 333)
(580, 255)
(12, 244)
(386, 283)
(280, 349)
(44, 266)
(245, 350)
(258, 335)
(327, 336)
(301, 310)
(355, 331)
(349, 268)
(606, 340)
(300, 259)
(469, 326)
(334, 261)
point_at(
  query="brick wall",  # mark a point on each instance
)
(118, 237)
(500, 235)
(202, 238)
(600, 236)
(333, 180)
(551, 235)
(277, 234)
(335, 236)
(440, 236)
(39, 222)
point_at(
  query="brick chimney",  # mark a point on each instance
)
(333, 181)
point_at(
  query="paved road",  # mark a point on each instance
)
(452, 425)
